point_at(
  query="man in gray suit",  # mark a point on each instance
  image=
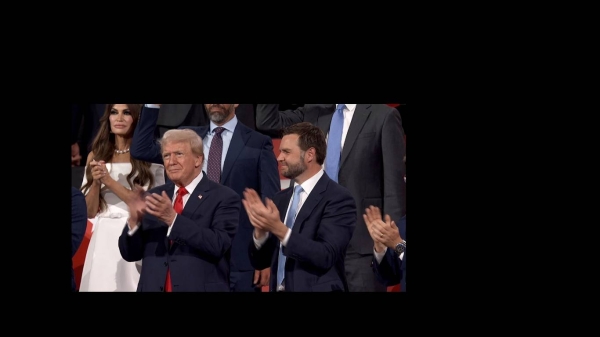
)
(370, 166)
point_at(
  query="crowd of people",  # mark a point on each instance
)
(187, 197)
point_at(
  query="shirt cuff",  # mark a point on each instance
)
(132, 231)
(379, 256)
(259, 242)
(286, 237)
(171, 227)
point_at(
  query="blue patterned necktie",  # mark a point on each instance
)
(289, 222)
(213, 167)
(334, 143)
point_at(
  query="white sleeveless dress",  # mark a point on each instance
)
(104, 269)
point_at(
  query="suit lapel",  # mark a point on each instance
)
(197, 197)
(361, 114)
(284, 202)
(310, 203)
(238, 141)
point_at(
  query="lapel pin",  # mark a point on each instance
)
(200, 196)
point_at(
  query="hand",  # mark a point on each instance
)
(373, 214)
(263, 217)
(75, 156)
(98, 169)
(136, 205)
(160, 206)
(261, 277)
(387, 232)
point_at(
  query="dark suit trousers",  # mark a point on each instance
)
(359, 273)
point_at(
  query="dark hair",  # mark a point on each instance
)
(309, 136)
(104, 149)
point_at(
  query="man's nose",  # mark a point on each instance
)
(172, 160)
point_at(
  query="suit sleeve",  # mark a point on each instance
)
(336, 226)
(393, 151)
(270, 121)
(78, 219)
(216, 239)
(392, 270)
(143, 145)
(388, 272)
(131, 247)
(261, 258)
(268, 171)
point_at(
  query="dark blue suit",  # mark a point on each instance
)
(317, 246)
(78, 225)
(202, 234)
(249, 163)
(392, 270)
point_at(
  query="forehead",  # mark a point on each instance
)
(176, 146)
(120, 107)
(289, 142)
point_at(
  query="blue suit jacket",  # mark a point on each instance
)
(78, 225)
(249, 163)
(392, 270)
(316, 249)
(198, 259)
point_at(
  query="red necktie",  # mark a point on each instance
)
(178, 207)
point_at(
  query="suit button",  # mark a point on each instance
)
(161, 288)
(166, 264)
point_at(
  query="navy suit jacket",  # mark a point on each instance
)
(316, 249)
(371, 167)
(198, 258)
(78, 225)
(250, 163)
(392, 270)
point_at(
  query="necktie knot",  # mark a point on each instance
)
(297, 190)
(182, 191)
(340, 107)
(218, 130)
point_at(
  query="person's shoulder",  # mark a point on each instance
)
(337, 190)
(89, 158)
(223, 190)
(384, 108)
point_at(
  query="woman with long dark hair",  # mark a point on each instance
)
(110, 176)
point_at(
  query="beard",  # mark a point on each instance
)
(295, 170)
(218, 116)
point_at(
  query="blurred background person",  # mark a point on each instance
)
(110, 175)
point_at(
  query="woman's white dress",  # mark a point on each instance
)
(104, 269)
